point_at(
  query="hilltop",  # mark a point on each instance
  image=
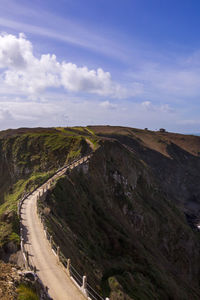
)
(128, 220)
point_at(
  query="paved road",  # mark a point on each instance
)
(40, 253)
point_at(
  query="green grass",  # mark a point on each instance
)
(74, 154)
(14, 237)
(32, 156)
(90, 131)
(11, 199)
(26, 293)
(22, 186)
(94, 141)
(9, 230)
(75, 131)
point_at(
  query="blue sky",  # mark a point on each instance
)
(124, 62)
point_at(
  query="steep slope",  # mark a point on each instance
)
(173, 158)
(118, 224)
(27, 158)
(127, 219)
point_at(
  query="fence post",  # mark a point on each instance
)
(58, 252)
(84, 285)
(25, 253)
(51, 240)
(22, 244)
(21, 232)
(68, 266)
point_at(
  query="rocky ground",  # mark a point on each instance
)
(9, 280)
(17, 283)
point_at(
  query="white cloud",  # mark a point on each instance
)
(14, 52)
(24, 76)
(81, 79)
(62, 110)
(147, 105)
(164, 108)
(108, 105)
(25, 73)
(65, 111)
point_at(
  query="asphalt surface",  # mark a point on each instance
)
(60, 286)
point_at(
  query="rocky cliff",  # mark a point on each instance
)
(127, 218)
(123, 219)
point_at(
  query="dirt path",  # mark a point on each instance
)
(40, 253)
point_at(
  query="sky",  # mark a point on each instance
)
(115, 62)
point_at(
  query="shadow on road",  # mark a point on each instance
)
(25, 233)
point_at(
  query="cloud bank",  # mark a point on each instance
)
(56, 92)
(25, 73)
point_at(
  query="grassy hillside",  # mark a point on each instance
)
(27, 158)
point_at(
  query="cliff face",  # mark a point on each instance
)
(120, 224)
(126, 218)
(174, 159)
(27, 158)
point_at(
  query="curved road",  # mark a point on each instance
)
(60, 286)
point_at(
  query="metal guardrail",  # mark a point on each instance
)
(25, 255)
(93, 294)
(81, 281)
(74, 273)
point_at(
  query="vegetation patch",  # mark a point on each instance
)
(25, 292)
(28, 158)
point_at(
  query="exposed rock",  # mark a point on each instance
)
(127, 227)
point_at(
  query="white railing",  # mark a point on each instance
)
(79, 280)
